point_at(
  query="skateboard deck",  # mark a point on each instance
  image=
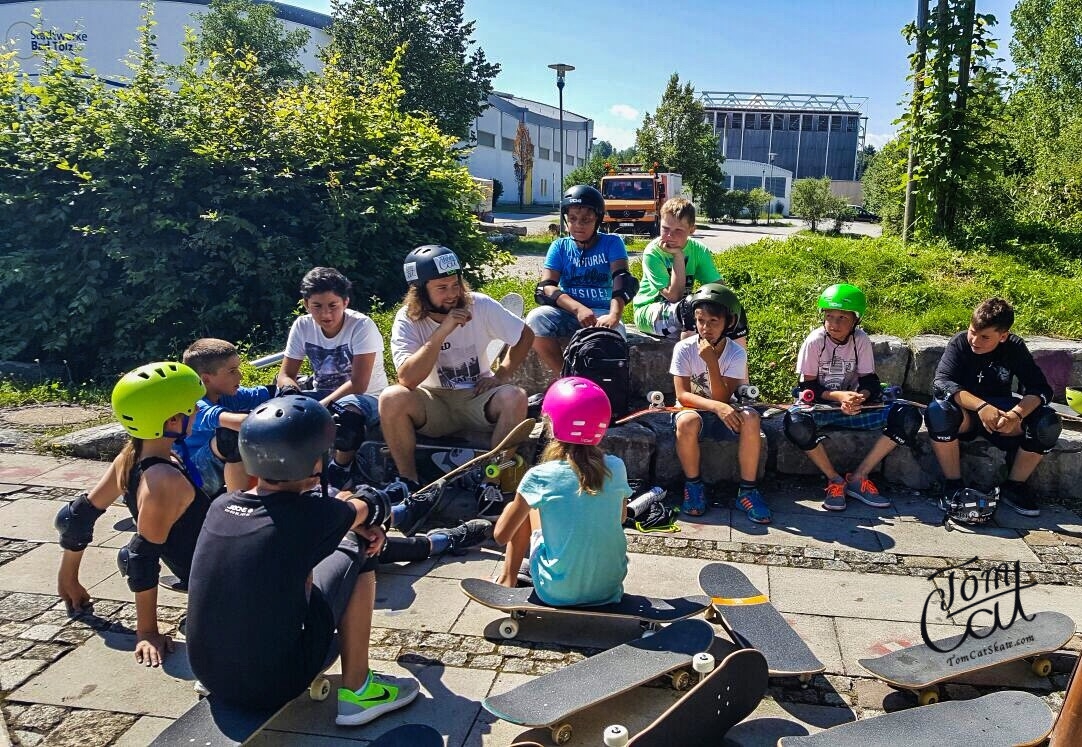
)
(522, 601)
(749, 617)
(548, 700)
(409, 735)
(1004, 718)
(921, 669)
(514, 303)
(1065, 412)
(716, 704)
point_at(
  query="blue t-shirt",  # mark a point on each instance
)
(586, 276)
(207, 413)
(582, 558)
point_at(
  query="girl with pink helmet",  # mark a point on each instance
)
(569, 509)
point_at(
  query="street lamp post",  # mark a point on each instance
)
(561, 70)
(769, 208)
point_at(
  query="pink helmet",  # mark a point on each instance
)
(579, 410)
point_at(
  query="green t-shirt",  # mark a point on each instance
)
(657, 269)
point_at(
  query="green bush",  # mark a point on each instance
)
(191, 203)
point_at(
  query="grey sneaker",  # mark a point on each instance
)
(835, 496)
(865, 492)
(466, 535)
(382, 694)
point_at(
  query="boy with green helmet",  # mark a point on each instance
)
(836, 363)
(706, 370)
(154, 403)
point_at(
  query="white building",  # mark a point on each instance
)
(104, 31)
(747, 175)
(495, 130)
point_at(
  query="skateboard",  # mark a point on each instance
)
(721, 700)
(752, 621)
(1004, 718)
(497, 349)
(1065, 412)
(172, 583)
(409, 735)
(518, 603)
(433, 461)
(920, 668)
(548, 700)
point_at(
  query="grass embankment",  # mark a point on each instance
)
(911, 290)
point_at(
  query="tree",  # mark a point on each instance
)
(590, 172)
(758, 198)
(244, 26)
(884, 185)
(440, 73)
(603, 148)
(813, 201)
(677, 138)
(865, 157)
(523, 155)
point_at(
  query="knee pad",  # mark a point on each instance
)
(349, 428)
(801, 431)
(140, 563)
(943, 419)
(75, 523)
(1040, 430)
(228, 444)
(903, 422)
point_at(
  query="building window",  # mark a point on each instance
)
(835, 124)
(751, 122)
(544, 187)
(557, 155)
(578, 161)
(764, 121)
(794, 122)
(806, 122)
(850, 124)
(737, 121)
(545, 154)
(779, 122)
(570, 160)
(823, 123)
(507, 143)
(486, 139)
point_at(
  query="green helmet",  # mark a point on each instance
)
(1074, 399)
(720, 294)
(844, 297)
(145, 398)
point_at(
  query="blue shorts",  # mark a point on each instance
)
(550, 321)
(713, 428)
(211, 469)
(869, 420)
(366, 403)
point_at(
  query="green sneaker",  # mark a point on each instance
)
(382, 694)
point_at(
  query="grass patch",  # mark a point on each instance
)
(14, 393)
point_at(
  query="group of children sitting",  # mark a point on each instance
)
(297, 550)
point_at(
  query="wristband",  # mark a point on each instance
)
(982, 406)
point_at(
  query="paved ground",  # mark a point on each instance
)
(852, 584)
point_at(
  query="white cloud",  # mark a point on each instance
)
(620, 137)
(878, 139)
(623, 111)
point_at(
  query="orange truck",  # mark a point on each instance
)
(633, 198)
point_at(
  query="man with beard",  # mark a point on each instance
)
(438, 343)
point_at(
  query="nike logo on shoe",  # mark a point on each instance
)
(380, 695)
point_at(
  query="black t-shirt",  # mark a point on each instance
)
(249, 618)
(989, 375)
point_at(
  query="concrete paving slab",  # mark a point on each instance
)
(414, 603)
(918, 508)
(24, 468)
(847, 594)
(773, 720)
(35, 572)
(115, 586)
(1052, 518)
(635, 709)
(986, 542)
(478, 563)
(142, 732)
(78, 474)
(810, 501)
(102, 674)
(1065, 599)
(868, 638)
(715, 524)
(821, 636)
(450, 698)
(809, 530)
(673, 576)
(32, 519)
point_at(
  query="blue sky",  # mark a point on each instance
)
(625, 51)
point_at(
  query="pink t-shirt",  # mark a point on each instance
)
(838, 367)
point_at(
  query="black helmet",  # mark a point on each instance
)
(719, 294)
(429, 262)
(583, 194)
(283, 437)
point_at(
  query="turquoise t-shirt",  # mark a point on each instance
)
(582, 558)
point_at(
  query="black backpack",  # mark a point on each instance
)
(600, 354)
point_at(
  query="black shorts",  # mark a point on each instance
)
(1001, 442)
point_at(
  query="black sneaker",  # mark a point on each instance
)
(466, 535)
(524, 576)
(1019, 497)
(418, 507)
(490, 501)
(533, 405)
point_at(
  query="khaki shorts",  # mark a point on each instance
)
(453, 410)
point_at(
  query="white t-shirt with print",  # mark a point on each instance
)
(733, 364)
(838, 367)
(332, 357)
(463, 357)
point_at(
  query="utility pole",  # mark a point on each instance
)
(918, 88)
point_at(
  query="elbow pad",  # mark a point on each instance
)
(75, 522)
(871, 383)
(378, 502)
(540, 293)
(624, 285)
(140, 563)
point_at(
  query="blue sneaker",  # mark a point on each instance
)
(751, 500)
(694, 499)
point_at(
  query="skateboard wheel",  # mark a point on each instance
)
(703, 663)
(711, 615)
(929, 696)
(492, 471)
(655, 398)
(561, 734)
(681, 680)
(615, 736)
(509, 629)
(805, 680)
(320, 689)
(1042, 667)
